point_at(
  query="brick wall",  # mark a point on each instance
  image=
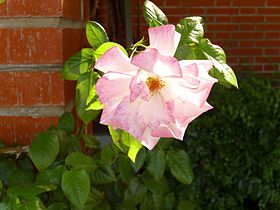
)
(36, 37)
(248, 30)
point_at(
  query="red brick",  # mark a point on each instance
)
(268, 59)
(247, 35)
(8, 90)
(174, 2)
(72, 9)
(247, 51)
(196, 11)
(4, 46)
(34, 8)
(222, 27)
(222, 19)
(175, 11)
(247, 27)
(248, 3)
(37, 45)
(77, 38)
(33, 87)
(223, 35)
(247, 43)
(199, 3)
(268, 43)
(246, 19)
(273, 18)
(270, 11)
(248, 11)
(271, 67)
(223, 3)
(27, 127)
(269, 27)
(272, 51)
(222, 10)
(7, 134)
(273, 3)
(57, 89)
(272, 35)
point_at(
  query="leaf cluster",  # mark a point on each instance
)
(235, 149)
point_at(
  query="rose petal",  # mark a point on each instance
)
(167, 66)
(154, 112)
(146, 59)
(165, 39)
(114, 60)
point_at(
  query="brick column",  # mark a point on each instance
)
(36, 37)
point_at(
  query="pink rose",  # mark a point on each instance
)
(153, 95)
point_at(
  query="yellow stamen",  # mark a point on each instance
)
(155, 84)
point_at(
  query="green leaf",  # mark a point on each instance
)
(121, 138)
(5, 205)
(135, 192)
(180, 165)
(29, 191)
(93, 101)
(58, 206)
(94, 199)
(6, 168)
(96, 34)
(157, 165)
(84, 85)
(221, 70)
(152, 202)
(78, 160)
(125, 168)
(170, 201)
(91, 141)
(105, 47)
(76, 186)
(31, 204)
(104, 174)
(51, 175)
(140, 159)
(18, 177)
(185, 52)
(68, 144)
(153, 14)
(156, 186)
(78, 64)
(2, 1)
(191, 30)
(66, 122)
(109, 154)
(44, 149)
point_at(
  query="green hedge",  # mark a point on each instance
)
(235, 149)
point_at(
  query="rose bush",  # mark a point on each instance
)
(145, 95)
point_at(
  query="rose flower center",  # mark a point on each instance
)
(155, 84)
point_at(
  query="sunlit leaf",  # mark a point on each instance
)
(153, 15)
(96, 34)
(78, 64)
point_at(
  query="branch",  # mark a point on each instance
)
(14, 150)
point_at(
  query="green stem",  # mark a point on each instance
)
(82, 131)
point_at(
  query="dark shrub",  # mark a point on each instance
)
(235, 149)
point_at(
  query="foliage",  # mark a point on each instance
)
(64, 170)
(235, 149)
